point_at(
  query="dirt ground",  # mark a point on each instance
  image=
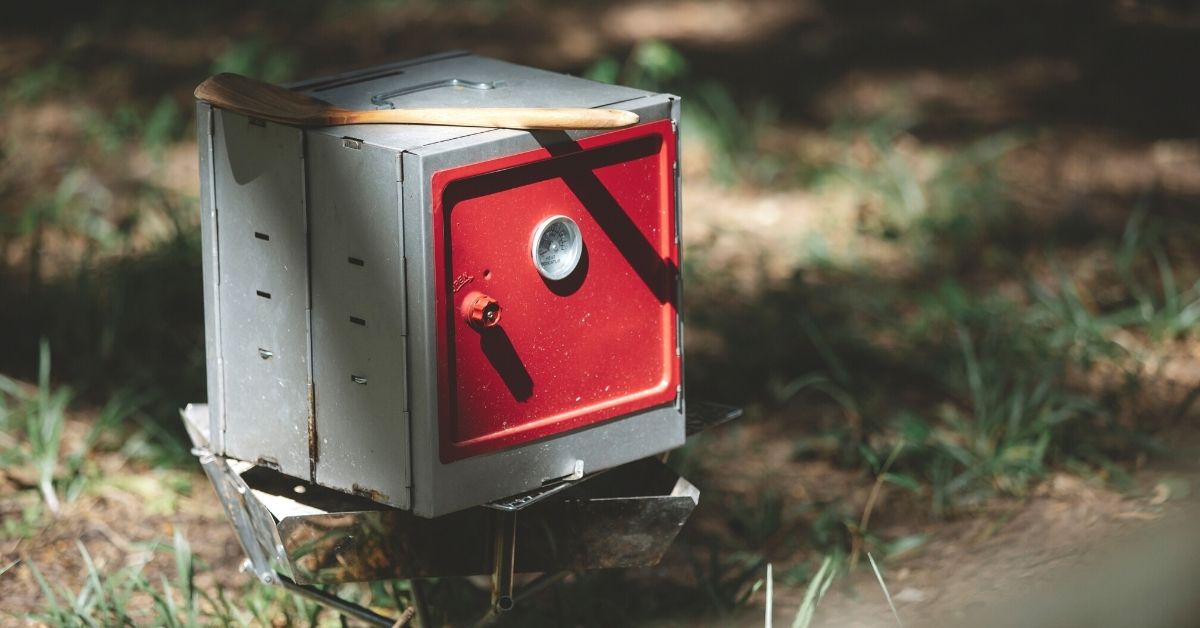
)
(1005, 552)
(126, 519)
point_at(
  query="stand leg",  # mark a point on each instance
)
(338, 604)
(420, 603)
(503, 559)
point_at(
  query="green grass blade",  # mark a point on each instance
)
(49, 594)
(815, 593)
(93, 580)
(185, 573)
(886, 593)
(4, 569)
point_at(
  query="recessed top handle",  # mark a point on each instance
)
(384, 99)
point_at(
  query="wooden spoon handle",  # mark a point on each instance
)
(503, 118)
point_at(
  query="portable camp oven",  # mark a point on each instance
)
(412, 328)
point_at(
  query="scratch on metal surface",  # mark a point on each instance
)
(369, 493)
(313, 450)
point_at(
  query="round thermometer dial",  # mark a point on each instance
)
(557, 247)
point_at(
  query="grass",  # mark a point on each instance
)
(1012, 409)
(886, 594)
(255, 57)
(1168, 312)
(969, 371)
(995, 355)
(817, 587)
(730, 129)
(997, 370)
(33, 420)
(44, 414)
(129, 596)
(102, 254)
(815, 592)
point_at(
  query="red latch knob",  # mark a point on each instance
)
(481, 311)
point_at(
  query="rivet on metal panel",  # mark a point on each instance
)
(358, 379)
(265, 354)
(350, 142)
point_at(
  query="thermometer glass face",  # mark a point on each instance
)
(557, 247)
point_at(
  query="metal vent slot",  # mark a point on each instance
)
(357, 78)
(261, 236)
(358, 379)
(358, 321)
(355, 261)
(265, 295)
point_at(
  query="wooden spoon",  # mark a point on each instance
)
(270, 102)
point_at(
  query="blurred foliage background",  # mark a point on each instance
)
(943, 251)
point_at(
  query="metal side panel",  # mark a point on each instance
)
(211, 266)
(358, 319)
(443, 488)
(263, 313)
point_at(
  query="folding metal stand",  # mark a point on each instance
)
(297, 534)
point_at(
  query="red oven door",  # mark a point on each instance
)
(565, 353)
